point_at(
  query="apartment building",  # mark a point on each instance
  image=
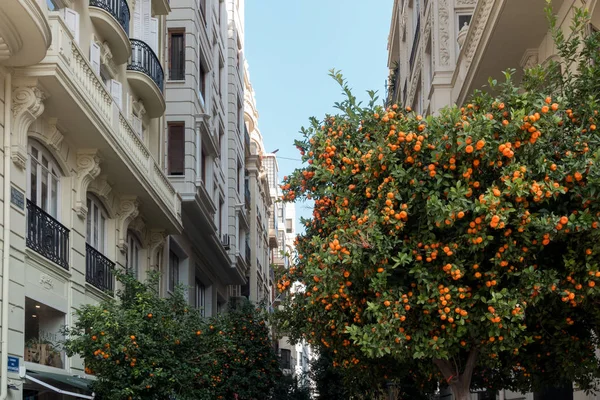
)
(440, 51)
(210, 254)
(260, 203)
(84, 183)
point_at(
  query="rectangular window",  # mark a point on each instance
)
(286, 358)
(177, 55)
(173, 271)
(203, 165)
(43, 335)
(176, 149)
(288, 225)
(463, 19)
(201, 80)
(201, 297)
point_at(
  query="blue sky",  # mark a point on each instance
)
(290, 47)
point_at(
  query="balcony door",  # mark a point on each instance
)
(96, 225)
(44, 180)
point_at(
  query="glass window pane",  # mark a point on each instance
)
(44, 190)
(54, 198)
(94, 226)
(33, 182)
(101, 233)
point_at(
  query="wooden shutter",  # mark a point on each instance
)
(176, 149)
(116, 90)
(72, 22)
(137, 21)
(95, 56)
(153, 35)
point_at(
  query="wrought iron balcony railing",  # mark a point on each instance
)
(248, 253)
(143, 59)
(47, 236)
(98, 269)
(117, 8)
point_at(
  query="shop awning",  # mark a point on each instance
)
(64, 384)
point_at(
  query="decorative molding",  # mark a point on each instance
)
(101, 188)
(476, 28)
(88, 168)
(52, 136)
(462, 35)
(139, 108)
(28, 105)
(46, 282)
(106, 58)
(460, 3)
(444, 31)
(128, 211)
(155, 240)
(138, 225)
(530, 59)
(5, 51)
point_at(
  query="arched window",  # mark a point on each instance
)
(96, 224)
(43, 179)
(133, 254)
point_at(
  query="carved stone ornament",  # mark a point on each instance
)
(462, 35)
(106, 58)
(28, 105)
(53, 137)
(155, 240)
(444, 31)
(477, 26)
(529, 59)
(46, 282)
(129, 209)
(88, 168)
(466, 3)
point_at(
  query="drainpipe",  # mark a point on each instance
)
(6, 237)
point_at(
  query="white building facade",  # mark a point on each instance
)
(84, 175)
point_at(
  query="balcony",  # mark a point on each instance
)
(161, 7)
(98, 269)
(25, 41)
(78, 98)
(146, 77)
(487, 52)
(111, 18)
(47, 236)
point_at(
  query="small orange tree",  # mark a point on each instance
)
(469, 239)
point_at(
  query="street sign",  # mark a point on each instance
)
(13, 364)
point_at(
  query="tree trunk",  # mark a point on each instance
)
(459, 381)
(460, 391)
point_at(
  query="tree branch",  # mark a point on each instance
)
(445, 366)
(471, 361)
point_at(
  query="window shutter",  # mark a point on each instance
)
(137, 21)
(95, 56)
(116, 90)
(176, 143)
(137, 125)
(153, 35)
(72, 22)
(146, 14)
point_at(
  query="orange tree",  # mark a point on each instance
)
(142, 346)
(465, 243)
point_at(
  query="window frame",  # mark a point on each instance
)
(94, 205)
(171, 33)
(173, 273)
(134, 248)
(170, 148)
(200, 297)
(54, 172)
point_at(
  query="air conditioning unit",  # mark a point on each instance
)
(225, 242)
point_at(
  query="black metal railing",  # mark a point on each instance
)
(246, 138)
(415, 44)
(247, 194)
(248, 253)
(143, 59)
(47, 236)
(404, 93)
(98, 269)
(117, 8)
